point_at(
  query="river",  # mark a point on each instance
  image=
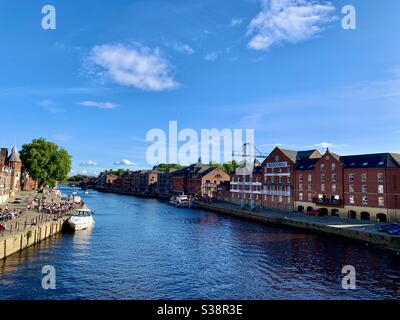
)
(145, 249)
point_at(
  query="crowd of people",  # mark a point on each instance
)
(9, 213)
(48, 203)
(59, 208)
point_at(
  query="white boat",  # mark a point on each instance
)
(180, 201)
(82, 219)
(86, 192)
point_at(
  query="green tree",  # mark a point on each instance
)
(231, 166)
(163, 167)
(46, 162)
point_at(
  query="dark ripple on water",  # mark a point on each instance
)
(145, 249)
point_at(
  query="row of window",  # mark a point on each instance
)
(333, 166)
(379, 177)
(364, 199)
(364, 188)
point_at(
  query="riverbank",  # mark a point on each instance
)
(364, 231)
(28, 227)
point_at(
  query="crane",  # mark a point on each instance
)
(250, 153)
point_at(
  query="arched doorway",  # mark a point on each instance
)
(381, 217)
(352, 214)
(309, 209)
(323, 211)
(300, 209)
(365, 216)
(335, 213)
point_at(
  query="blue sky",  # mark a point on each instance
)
(111, 71)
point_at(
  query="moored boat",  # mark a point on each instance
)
(82, 219)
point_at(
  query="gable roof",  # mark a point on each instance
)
(297, 155)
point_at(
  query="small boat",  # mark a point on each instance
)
(180, 201)
(86, 192)
(82, 219)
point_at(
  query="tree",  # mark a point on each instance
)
(45, 162)
(230, 167)
(164, 167)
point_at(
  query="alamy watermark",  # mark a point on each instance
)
(187, 146)
(349, 277)
(49, 280)
(49, 20)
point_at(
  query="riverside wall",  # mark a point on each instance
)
(11, 243)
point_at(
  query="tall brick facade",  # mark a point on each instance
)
(359, 187)
(10, 174)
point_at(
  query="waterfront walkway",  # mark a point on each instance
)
(356, 229)
(25, 215)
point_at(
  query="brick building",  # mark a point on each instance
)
(246, 185)
(10, 174)
(198, 180)
(363, 187)
(357, 186)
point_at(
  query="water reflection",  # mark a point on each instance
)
(145, 249)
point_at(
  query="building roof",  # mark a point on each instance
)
(297, 155)
(377, 160)
(306, 164)
(197, 168)
(14, 157)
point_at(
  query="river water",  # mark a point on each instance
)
(145, 249)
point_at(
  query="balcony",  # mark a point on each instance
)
(328, 202)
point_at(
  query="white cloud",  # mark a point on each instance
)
(138, 66)
(125, 162)
(89, 163)
(324, 145)
(212, 56)
(100, 105)
(183, 48)
(397, 132)
(235, 22)
(288, 21)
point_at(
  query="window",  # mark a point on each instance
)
(301, 178)
(351, 187)
(334, 177)
(300, 187)
(272, 179)
(351, 177)
(322, 167)
(364, 188)
(280, 179)
(309, 178)
(380, 188)
(280, 198)
(334, 188)
(364, 200)
(351, 199)
(380, 177)
(364, 177)
(323, 187)
(309, 197)
(381, 201)
(288, 179)
(333, 166)
(322, 177)
(300, 196)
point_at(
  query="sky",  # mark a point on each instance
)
(113, 70)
